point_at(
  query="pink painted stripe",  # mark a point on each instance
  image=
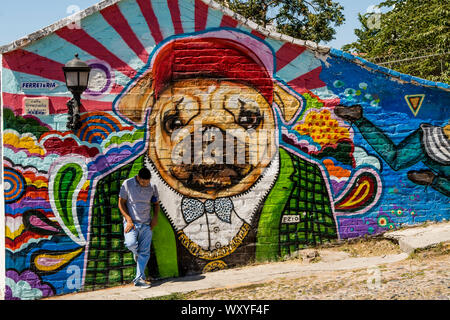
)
(307, 81)
(116, 89)
(152, 21)
(330, 103)
(176, 16)
(287, 53)
(227, 21)
(35, 221)
(27, 62)
(84, 41)
(201, 15)
(56, 105)
(115, 18)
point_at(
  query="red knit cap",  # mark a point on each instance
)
(210, 58)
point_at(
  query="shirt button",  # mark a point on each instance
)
(216, 229)
(218, 245)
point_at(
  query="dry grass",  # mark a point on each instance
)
(436, 251)
(369, 247)
(425, 275)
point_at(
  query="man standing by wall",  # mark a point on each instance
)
(135, 197)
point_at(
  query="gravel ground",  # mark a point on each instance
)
(425, 275)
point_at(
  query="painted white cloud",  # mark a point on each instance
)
(40, 163)
(362, 158)
(23, 290)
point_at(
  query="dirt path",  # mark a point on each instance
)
(358, 269)
(423, 275)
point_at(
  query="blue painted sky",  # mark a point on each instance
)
(19, 18)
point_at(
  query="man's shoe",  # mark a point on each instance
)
(142, 284)
(349, 114)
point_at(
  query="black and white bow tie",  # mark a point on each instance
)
(193, 209)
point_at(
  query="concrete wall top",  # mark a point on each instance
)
(320, 49)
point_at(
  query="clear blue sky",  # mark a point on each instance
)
(19, 18)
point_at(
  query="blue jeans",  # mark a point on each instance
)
(138, 241)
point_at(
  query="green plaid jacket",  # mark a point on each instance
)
(296, 214)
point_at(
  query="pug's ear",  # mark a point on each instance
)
(288, 104)
(135, 102)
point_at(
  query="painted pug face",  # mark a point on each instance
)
(211, 138)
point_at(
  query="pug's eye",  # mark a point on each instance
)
(172, 122)
(248, 118)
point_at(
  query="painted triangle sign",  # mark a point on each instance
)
(414, 102)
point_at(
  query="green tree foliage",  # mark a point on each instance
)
(413, 34)
(307, 20)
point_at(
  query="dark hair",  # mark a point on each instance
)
(144, 174)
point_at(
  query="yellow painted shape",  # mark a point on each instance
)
(14, 234)
(414, 102)
(49, 262)
(26, 142)
(36, 183)
(352, 200)
(322, 128)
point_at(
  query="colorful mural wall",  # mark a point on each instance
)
(259, 146)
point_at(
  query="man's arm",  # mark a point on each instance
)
(401, 156)
(124, 211)
(155, 214)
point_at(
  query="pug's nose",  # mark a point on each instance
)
(208, 144)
